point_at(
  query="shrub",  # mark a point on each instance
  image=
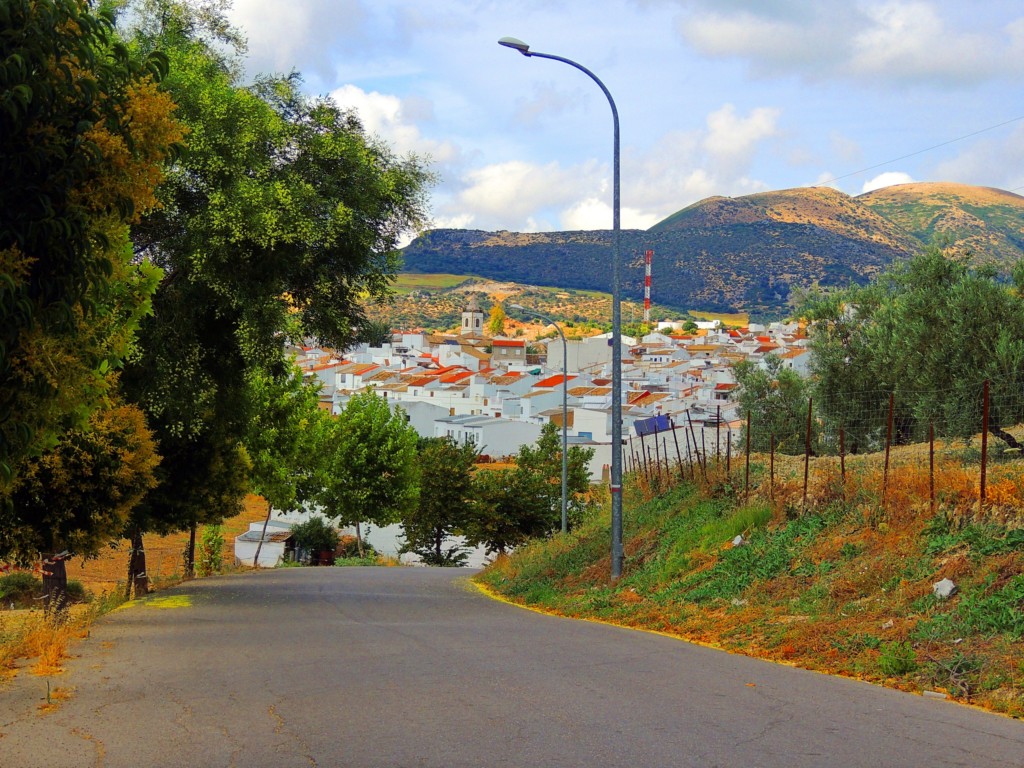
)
(209, 559)
(897, 658)
(315, 535)
(20, 588)
(77, 593)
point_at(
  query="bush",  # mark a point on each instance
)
(20, 588)
(348, 546)
(315, 535)
(77, 593)
(209, 559)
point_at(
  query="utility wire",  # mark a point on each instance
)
(920, 152)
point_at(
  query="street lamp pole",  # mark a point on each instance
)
(565, 413)
(616, 478)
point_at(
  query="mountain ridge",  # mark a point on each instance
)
(748, 253)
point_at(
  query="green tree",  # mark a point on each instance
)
(775, 398)
(285, 442)
(372, 472)
(512, 508)
(314, 536)
(446, 502)
(376, 333)
(279, 217)
(83, 135)
(930, 331)
(515, 505)
(544, 459)
(78, 497)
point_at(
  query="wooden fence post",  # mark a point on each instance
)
(931, 467)
(984, 448)
(746, 475)
(807, 455)
(888, 447)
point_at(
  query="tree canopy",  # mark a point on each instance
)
(931, 331)
(446, 502)
(372, 473)
(84, 133)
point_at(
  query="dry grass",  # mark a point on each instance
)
(849, 592)
(30, 635)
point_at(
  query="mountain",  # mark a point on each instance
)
(746, 253)
(984, 222)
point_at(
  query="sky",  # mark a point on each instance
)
(715, 97)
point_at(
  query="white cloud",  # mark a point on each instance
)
(911, 40)
(680, 169)
(514, 191)
(732, 139)
(993, 162)
(874, 42)
(392, 119)
(296, 35)
(887, 179)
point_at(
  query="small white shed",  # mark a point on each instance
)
(277, 543)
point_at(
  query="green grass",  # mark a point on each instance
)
(407, 282)
(829, 589)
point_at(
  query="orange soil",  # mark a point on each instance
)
(163, 553)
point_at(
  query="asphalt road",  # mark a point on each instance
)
(397, 667)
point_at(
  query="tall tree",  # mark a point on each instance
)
(279, 217)
(496, 322)
(83, 135)
(544, 459)
(931, 331)
(372, 471)
(286, 442)
(515, 505)
(77, 497)
(775, 399)
(446, 502)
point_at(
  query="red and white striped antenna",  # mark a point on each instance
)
(647, 287)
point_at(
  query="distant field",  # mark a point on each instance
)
(741, 319)
(408, 282)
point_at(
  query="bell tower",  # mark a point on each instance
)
(472, 319)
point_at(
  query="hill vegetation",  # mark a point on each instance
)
(747, 253)
(844, 587)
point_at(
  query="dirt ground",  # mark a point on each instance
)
(163, 553)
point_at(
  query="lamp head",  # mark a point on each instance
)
(518, 45)
(517, 306)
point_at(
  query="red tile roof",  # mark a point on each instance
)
(552, 381)
(508, 343)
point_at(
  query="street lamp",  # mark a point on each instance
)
(565, 413)
(616, 479)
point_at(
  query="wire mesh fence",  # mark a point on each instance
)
(959, 448)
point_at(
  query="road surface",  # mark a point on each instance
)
(397, 667)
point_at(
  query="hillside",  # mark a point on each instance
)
(843, 584)
(984, 222)
(746, 253)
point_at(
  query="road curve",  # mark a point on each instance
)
(397, 667)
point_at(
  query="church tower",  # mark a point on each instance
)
(472, 319)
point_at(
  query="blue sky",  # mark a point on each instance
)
(715, 97)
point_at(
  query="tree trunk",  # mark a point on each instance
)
(138, 580)
(359, 540)
(259, 546)
(55, 583)
(190, 553)
(1003, 435)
